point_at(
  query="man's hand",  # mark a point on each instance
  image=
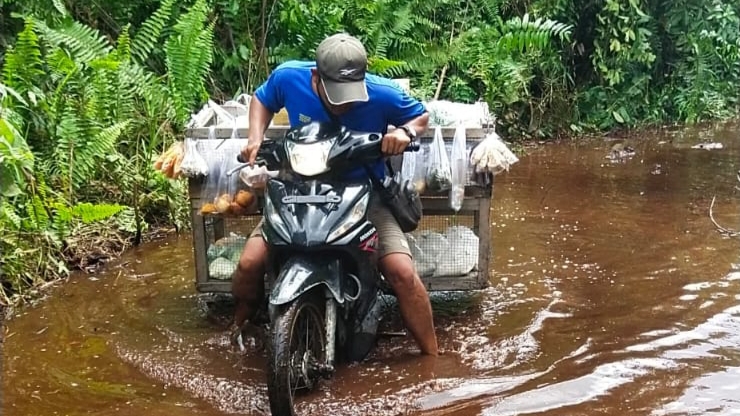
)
(395, 142)
(249, 152)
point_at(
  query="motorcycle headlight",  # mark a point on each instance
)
(355, 216)
(309, 159)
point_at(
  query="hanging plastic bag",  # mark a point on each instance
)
(210, 188)
(420, 171)
(228, 187)
(408, 166)
(492, 156)
(256, 177)
(193, 163)
(459, 169)
(438, 170)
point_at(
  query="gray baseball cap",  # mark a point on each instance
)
(341, 61)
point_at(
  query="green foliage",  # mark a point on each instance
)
(189, 56)
(16, 159)
(90, 107)
(22, 68)
(706, 78)
(149, 34)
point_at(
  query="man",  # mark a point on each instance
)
(337, 82)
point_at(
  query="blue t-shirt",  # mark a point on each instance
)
(289, 86)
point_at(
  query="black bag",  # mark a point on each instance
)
(401, 198)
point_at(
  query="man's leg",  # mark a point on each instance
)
(413, 300)
(247, 282)
(397, 267)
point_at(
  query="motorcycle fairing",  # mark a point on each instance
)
(299, 274)
(304, 221)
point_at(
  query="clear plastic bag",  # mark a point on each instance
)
(492, 156)
(459, 169)
(210, 187)
(439, 177)
(408, 166)
(193, 163)
(419, 179)
(256, 177)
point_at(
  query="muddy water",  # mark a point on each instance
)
(611, 293)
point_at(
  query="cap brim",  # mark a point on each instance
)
(340, 93)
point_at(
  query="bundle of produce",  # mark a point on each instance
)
(241, 203)
(169, 162)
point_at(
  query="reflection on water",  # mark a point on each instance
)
(612, 293)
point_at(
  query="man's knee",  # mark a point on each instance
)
(247, 277)
(399, 270)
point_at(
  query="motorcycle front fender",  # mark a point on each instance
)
(300, 274)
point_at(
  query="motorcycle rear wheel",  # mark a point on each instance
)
(297, 351)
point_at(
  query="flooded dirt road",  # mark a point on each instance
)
(611, 293)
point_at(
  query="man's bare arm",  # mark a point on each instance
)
(259, 121)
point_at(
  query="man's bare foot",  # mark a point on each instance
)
(246, 336)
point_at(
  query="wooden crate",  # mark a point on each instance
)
(475, 214)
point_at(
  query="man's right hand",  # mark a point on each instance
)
(249, 152)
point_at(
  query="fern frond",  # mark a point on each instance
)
(7, 212)
(23, 63)
(61, 8)
(148, 35)
(105, 141)
(36, 211)
(123, 44)
(83, 42)
(61, 65)
(521, 34)
(69, 139)
(79, 149)
(145, 85)
(386, 67)
(89, 213)
(189, 55)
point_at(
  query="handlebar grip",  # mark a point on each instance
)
(413, 147)
(240, 159)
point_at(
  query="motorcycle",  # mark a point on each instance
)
(324, 287)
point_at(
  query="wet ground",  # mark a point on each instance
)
(612, 292)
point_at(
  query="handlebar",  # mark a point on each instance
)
(414, 146)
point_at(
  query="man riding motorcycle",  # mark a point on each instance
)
(336, 88)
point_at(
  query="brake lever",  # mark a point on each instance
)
(258, 162)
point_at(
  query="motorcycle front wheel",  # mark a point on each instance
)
(297, 352)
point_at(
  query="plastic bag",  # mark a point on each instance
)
(462, 255)
(448, 113)
(256, 177)
(459, 169)
(419, 178)
(408, 166)
(439, 177)
(170, 162)
(223, 117)
(491, 155)
(224, 193)
(193, 163)
(425, 264)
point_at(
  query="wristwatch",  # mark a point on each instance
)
(409, 132)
